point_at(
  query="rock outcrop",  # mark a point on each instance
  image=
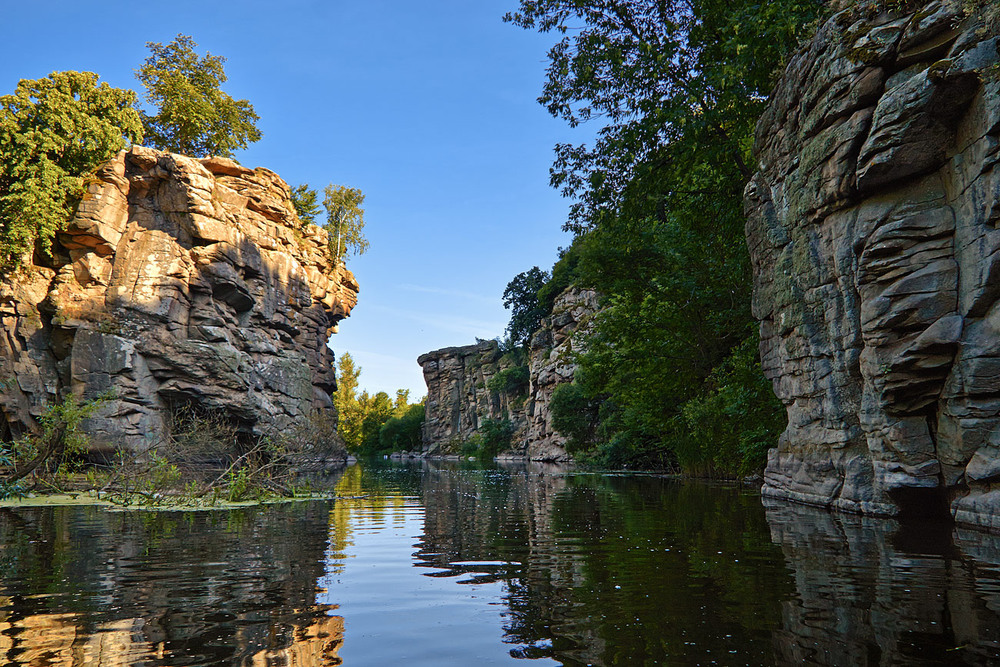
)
(562, 335)
(460, 394)
(872, 226)
(178, 282)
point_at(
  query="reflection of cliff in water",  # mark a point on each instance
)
(609, 570)
(872, 591)
(86, 586)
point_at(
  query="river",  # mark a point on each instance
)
(458, 564)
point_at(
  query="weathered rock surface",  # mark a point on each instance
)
(872, 229)
(459, 394)
(180, 281)
(561, 336)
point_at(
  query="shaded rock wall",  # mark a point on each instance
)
(872, 230)
(562, 335)
(177, 281)
(459, 397)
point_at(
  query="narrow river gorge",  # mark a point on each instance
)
(436, 563)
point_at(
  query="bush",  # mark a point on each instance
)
(729, 429)
(511, 381)
(402, 433)
(574, 415)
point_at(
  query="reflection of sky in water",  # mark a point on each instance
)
(396, 614)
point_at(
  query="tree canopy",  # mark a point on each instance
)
(521, 299)
(193, 116)
(374, 424)
(677, 87)
(306, 203)
(54, 131)
(345, 220)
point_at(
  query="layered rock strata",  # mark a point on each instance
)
(460, 394)
(179, 282)
(459, 397)
(872, 226)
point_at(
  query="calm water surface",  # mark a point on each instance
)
(434, 564)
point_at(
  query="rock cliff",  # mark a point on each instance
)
(562, 335)
(460, 394)
(178, 282)
(872, 226)
(459, 397)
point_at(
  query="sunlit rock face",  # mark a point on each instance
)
(178, 281)
(872, 230)
(460, 395)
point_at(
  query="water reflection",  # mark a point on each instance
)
(84, 586)
(874, 592)
(443, 564)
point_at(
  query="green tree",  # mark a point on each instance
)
(402, 401)
(193, 116)
(377, 412)
(53, 132)
(403, 433)
(521, 299)
(306, 203)
(350, 415)
(345, 220)
(678, 86)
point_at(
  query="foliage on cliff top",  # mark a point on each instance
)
(193, 116)
(521, 299)
(54, 131)
(345, 220)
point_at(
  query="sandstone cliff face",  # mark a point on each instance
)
(459, 396)
(562, 335)
(182, 281)
(873, 232)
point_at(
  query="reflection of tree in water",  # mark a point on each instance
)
(614, 570)
(871, 591)
(86, 586)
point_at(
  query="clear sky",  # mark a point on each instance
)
(428, 107)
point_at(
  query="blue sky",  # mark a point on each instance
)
(428, 107)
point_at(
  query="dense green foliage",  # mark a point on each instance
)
(54, 131)
(512, 381)
(349, 412)
(492, 437)
(345, 220)
(521, 299)
(671, 377)
(403, 431)
(193, 116)
(374, 424)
